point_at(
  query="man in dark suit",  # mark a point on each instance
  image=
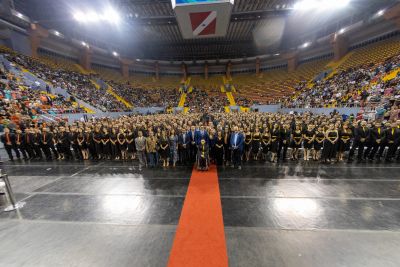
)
(8, 139)
(192, 146)
(45, 139)
(377, 141)
(184, 147)
(200, 135)
(20, 143)
(236, 145)
(392, 140)
(361, 136)
(284, 141)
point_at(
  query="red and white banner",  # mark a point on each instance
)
(203, 23)
(206, 20)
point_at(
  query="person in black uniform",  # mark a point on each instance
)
(97, 135)
(330, 143)
(345, 135)
(65, 140)
(28, 143)
(265, 142)
(82, 146)
(227, 150)
(184, 147)
(51, 142)
(36, 143)
(114, 144)
(20, 143)
(45, 139)
(318, 143)
(8, 139)
(90, 144)
(392, 139)
(256, 144)
(284, 141)
(274, 145)
(219, 148)
(73, 136)
(123, 146)
(105, 141)
(130, 141)
(368, 144)
(308, 141)
(297, 138)
(247, 144)
(361, 135)
(164, 148)
(377, 140)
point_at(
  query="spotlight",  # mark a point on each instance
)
(305, 45)
(79, 16)
(321, 4)
(380, 12)
(115, 54)
(277, 54)
(85, 44)
(92, 16)
(19, 15)
(57, 33)
(341, 31)
(111, 15)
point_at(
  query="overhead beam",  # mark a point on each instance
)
(235, 16)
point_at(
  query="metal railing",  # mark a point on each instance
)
(10, 195)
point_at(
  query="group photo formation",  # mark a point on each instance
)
(200, 133)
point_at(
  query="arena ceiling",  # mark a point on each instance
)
(150, 29)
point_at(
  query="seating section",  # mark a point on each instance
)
(273, 85)
(372, 53)
(76, 84)
(59, 62)
(370, 80)
(206, 95)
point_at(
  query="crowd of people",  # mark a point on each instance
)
(359, 86)
(202, 100)
(76, 84)
(140, 97)
(19, 100)
(221, 138)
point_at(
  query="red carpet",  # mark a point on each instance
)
(200, 238)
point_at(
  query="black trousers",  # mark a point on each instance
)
(391, 151)
(193, 152)
(236, 157)
(360, 145)
(28, 148)
(46, 151)
(9, 149)
(377, 148)
(282, 147)
(23, 151)
(53, 150)
(38, 151)
(184, 155)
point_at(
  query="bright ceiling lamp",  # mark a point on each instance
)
(320, 4)
(111, 15)
(79, 16)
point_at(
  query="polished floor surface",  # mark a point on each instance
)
(117, 214)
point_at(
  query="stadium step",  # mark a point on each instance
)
(119, 98)
(231, 99)
(83, 71)
(334, 65)
(182, 100)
